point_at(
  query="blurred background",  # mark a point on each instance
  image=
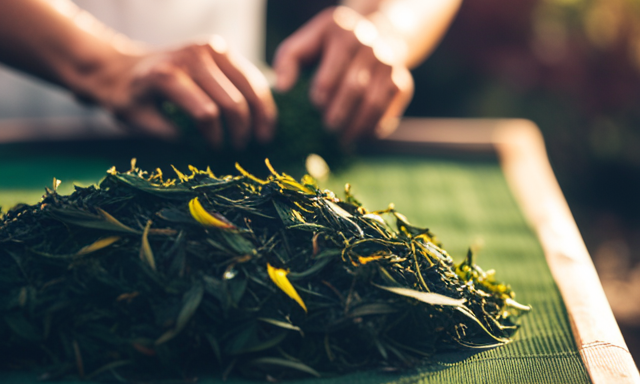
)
(572, 67)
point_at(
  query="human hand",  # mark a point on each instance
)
(207, 81)
(362, 85)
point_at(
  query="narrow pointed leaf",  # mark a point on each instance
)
(205, 218)
(279, 277)
(281, 324)
(248, 175)
(146, 253)
(426, 297)
(97, 245)
(191, 302)
(181, 175)
(263, 345)
(102, 220)
(286, 363)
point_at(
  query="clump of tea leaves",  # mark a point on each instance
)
(151, 277)
(299, 132)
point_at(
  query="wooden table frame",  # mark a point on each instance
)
(522, 154)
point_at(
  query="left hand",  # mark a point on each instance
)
(362, 85)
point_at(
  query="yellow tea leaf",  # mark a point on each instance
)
(205, 218)
(279, 277)
(99, 244)
(145, 249)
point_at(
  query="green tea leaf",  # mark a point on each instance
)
(285, 364)
(102, 220)
(426, 297)
(146, 253)
(191, 302)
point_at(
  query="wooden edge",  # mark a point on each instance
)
(522, 154)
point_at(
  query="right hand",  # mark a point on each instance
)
(362, 84)
(207, 81)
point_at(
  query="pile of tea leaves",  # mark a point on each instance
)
(150, 277)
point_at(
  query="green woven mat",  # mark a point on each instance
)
(464, 203)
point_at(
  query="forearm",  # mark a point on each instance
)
(414, 27)
(59, 43)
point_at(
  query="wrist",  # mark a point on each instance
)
(93, 73)
(374, 29)
(85, 56)
(391, 46)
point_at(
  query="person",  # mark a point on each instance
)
(364, 51)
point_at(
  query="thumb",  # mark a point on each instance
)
(301, 48)
(286, 65)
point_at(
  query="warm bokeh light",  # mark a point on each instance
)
(550, 40)
(602, 23)
(317, 167)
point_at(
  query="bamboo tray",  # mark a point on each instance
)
(520, 149)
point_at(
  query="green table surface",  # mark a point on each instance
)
(464, 201)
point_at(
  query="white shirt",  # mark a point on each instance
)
(159, 23)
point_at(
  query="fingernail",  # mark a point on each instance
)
(241, 142)
(333, 123)
(215, 142)
(318, 98)
(280, 83)
(264, 133)
(283, 80)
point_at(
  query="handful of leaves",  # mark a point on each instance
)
(299, 132)
(146, 277)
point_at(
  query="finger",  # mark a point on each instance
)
(146, 118)
(177, 87)
(377, 100)
(302, 47)
(334, 62)
(253, 86)
(350, 91)
(403, 80)
(231, 102)
(351, 32)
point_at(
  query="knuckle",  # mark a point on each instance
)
(389, 88)
(192, 54)
(162, 73)
(392, 88)
(216, 45)
(352, 82)
(376, 103)
(194, 49)
(383, 67)
(343, 37)
(349, 39)
(207, 114)
(322, 84)
(368, 52)
(285, 50)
